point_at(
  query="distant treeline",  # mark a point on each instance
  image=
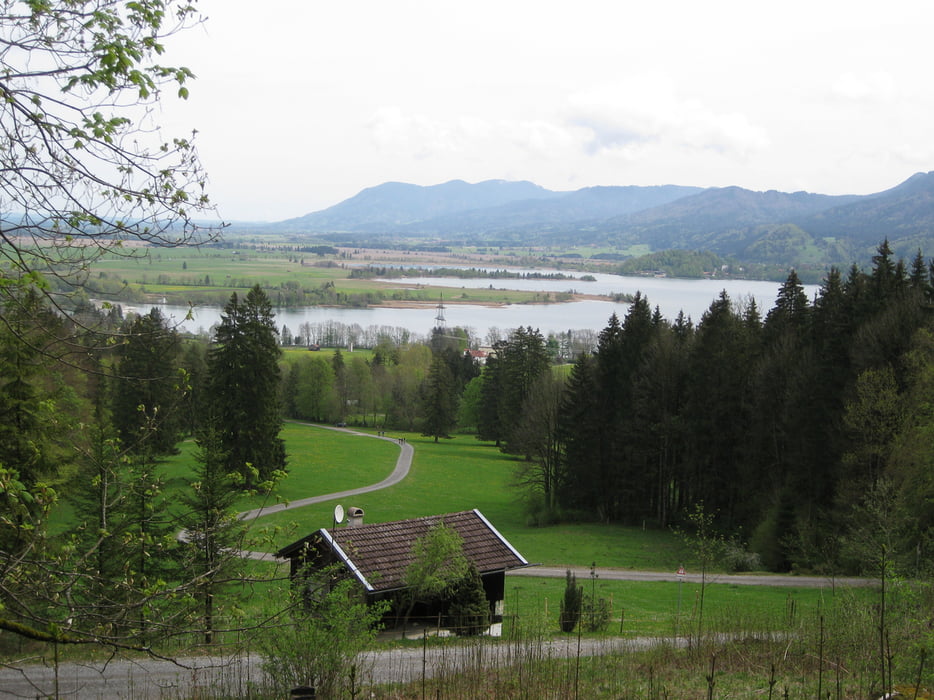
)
(674, 263)
(395, 272)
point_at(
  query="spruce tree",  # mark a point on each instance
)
(439, 400)
(212, 533)
(243, 389)
(580, 432)
(148, 389)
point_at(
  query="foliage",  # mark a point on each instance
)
(707, 545)
(536, 434)
(674, 263)
(148, 388)
(508, 377)
(571, 604)
(437, 568)
(595, 613)
(213, 534)
(439, 400)
(319, 643)
(81, 172)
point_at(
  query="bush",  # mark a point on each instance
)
(319, 645)
(595, 614)
(537, 512)
(737, 558)
(571, 603)
(469, 612)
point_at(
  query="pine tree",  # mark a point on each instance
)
(148, 388)
(212, 531)
(243, 389)
(469, 611)
(439, 400)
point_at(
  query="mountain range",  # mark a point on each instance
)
(798, 229)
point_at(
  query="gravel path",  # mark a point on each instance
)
(583, 573)
(403, 464)
(401, 470)
(208, 677)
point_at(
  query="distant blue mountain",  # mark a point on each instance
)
(394, 205)
(798, 228)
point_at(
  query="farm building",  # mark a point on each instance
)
(378, 554)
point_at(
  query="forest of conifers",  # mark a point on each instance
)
(798, 428)
(808, 433)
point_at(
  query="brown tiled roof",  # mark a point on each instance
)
(379, 553)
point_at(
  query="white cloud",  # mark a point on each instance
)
(396, 132)
(647, 110)
(874, 86)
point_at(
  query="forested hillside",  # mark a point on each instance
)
(790, 424)
(796, 427)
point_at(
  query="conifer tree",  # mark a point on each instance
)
(148, 388)
(243, 389)
(439, 399)
(580, 432)
(212, 533)
(469, 612)
(522, 360)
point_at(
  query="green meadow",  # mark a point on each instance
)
(208, 275)
(464, 473)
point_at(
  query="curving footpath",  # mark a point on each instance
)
(401, 470)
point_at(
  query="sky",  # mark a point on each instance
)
(300, 104)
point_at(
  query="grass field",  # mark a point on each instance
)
(463, 473)
(795, 637)
(452, 475)
(210, 275)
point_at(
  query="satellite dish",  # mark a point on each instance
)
(338, 514)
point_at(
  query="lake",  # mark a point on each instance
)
(669, 294)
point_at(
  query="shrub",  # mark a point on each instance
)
(571, 603)
(595, 614)
(469, 611)
(320, 644)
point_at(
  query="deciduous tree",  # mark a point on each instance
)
(83, 170)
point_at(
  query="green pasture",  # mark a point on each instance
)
(460, 474)
(667, 608)
(292, 353)
(453, 475)
(222, 265)
(463, 473)
(210, 275)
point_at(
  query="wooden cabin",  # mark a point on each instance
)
(377, 555)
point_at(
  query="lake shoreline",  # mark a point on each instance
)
(418, 304)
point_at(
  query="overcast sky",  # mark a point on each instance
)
(300, 104)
